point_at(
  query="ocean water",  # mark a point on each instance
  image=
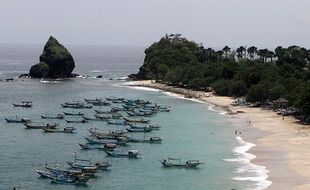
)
(192, 130)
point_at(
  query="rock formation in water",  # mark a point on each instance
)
(55, 62)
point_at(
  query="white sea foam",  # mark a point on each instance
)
(51, 81)
(96, 71)
(249, 171)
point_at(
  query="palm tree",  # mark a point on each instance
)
(226, 50)
(252, 51)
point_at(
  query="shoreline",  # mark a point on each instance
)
(282, 146)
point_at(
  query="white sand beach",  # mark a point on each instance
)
(282, 145)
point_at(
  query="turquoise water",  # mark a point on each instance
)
(190, 131)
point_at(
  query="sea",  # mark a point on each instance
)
(191, 130)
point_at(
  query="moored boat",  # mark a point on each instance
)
(64, 130)
(17, 120)
(176, 162)
(58, 116)
(142, 129)
(40, 125)
(24, 104)
(129, 154)
(76, 114)
(77, 121)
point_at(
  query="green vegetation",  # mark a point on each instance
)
(257, 74)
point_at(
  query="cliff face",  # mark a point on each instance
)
(55, 62)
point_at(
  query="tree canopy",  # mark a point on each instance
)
(257, 74)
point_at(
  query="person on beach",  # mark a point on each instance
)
(236, 132)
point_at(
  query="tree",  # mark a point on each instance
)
(226, 50)
(240, 52)
(252, 51)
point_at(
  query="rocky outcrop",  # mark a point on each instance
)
(55, 62)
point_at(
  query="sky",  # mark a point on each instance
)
(214, 23)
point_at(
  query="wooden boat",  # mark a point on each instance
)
(93, 100)
(76, 180)
(104, 112)
(100, 141)
(18, 120)
(117, 109)
(117, 122)
(129, 154)
(110, 147)
(58, 116)
(143, 114)
(101, 135)
(103, 117)
(143, 129)
(40, 125)
(24, 104)
(142, 120)
(64, 130)
(87, 164)
(76, 106)
(171, 162)
(149, 140)
(153, 127)
(47, 174)
(77, 121)
(76, 114)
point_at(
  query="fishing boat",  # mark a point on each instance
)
(115, 99)
(103, 117)
(143, 114)
(58, 116)
(106, 135)
(129, 154)
(64, 130)
(76, 106)
(93, 100)
(102, 103)
(176, 162)
(40, 125)
(117, 109)
(73, 103)
(18, 120)
(149, 140)
(77, 121)
(24, 104)
(47, 174)
(109, 146)
(142, 129)
(76, 180)
(87, 164)
(142, 120)
(153, 127)
(104, 112)
(101, 141)
(76, 114)
(117, 122)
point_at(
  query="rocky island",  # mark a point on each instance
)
(55, 62)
